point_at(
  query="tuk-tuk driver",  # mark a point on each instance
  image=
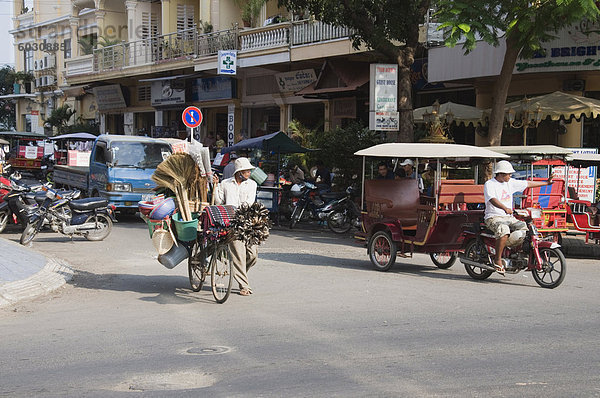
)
(498, 194)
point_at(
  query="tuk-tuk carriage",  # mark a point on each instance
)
(584, 215)
(30, 152)
(550, 199)
(398, 219)
(72, 149)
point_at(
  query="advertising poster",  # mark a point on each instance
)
(582, 180)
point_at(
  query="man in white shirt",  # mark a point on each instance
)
(236, 191)
(498, 194)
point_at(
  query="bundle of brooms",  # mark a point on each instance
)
(179, 173)
(251, 224)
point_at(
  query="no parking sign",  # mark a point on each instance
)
(192, 117)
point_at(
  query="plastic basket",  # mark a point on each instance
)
(186, 230)
(153, 225)
(258, 175)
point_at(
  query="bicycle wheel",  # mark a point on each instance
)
(221, 272)
(198, 266)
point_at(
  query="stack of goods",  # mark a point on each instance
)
(180, 174)
(251, 224)
(216, 220)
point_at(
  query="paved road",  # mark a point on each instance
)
(321, 323)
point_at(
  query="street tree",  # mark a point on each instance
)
(525, 25)
(7, 106)
(389, 27)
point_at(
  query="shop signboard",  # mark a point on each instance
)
(109, 97)
(384, 121)
(230, 124)
(383, 98)
(166, 92)
(584, 180)
(295, 80)
(227, 62)
(213, 88)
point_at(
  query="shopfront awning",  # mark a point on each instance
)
(17, 96)
(337, 79)
(275, 142)
(175, 77)
(461, 113)
(75, 91)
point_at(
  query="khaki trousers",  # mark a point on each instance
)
(243, 258)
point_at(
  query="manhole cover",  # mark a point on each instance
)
(208, 350)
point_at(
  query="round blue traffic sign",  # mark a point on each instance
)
(192, 117)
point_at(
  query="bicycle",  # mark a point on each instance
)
(215, 258)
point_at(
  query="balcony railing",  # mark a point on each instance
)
(305, 32)
(185, 44)
(189, 44)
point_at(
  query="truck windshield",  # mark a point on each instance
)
(139, 154)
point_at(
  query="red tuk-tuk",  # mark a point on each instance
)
(584, 215)
(28, 151)
(398, 219)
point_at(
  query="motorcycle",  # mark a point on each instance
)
(525, 250)
(310, 204)
(90, 217)
(344, 213)
(17, 200)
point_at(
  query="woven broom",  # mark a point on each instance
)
(178, 173)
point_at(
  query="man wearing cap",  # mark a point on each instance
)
(409, 172)
(498, 194)
(236, 191)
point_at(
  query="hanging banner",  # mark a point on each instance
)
(227, 62)
(383, 97)
(582, 180)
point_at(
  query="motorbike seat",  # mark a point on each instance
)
(332, 195)
(88, 204)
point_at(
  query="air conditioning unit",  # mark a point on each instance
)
(50, 80)
(574, 85)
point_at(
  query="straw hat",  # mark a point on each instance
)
(505, 167)
(242, 164)
(162, 241)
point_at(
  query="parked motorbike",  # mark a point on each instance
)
(344, 213)
(310, 205)
(17, 200)
(525, 251)
(90, 217)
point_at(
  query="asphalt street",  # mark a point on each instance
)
(321, 323)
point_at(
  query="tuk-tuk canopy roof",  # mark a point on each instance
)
(74, 136)
(584, 159)
(22, 134)
(456, 152)
(530, 151)
(275, 142)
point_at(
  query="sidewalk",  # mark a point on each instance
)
(26, 274)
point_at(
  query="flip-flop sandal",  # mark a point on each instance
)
(500, 268)
(245, 292)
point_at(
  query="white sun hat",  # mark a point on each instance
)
(505, 167)
(242, 164)
(407, 161)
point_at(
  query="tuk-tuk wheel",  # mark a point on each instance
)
(382, 250)
(443, 260)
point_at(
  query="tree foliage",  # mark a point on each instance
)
(390, 27)
(60, 117)
(524, 24)
(7, 106)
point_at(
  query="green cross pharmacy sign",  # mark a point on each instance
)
(227, 62)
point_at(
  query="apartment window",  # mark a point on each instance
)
(149, 25)
(28, 60)
(67, 48)
(185, 17)
(144, 93)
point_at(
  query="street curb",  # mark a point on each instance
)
(54, 275)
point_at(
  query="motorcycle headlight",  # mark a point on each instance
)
(119, 186)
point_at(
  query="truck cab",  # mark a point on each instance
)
(121, 167)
